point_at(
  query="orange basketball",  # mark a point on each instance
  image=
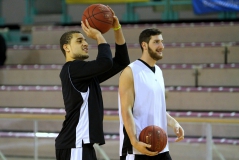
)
(155, 136)
(99, 17)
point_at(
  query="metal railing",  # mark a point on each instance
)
(55, 114)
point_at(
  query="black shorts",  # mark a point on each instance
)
(161, 156)
(87, 152)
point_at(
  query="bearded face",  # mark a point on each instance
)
(156, 54)
(155, 47)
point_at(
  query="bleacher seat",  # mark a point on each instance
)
(200, 82)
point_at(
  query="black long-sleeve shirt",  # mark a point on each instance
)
(82, 96)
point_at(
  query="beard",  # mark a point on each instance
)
(83, 57)
(154, 55)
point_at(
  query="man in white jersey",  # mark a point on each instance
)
(142, 100)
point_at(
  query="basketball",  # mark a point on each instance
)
(155, 136)
(99, 17)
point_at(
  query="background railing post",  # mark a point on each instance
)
(65, 18)
(1, 18)
(101, 151)
(226, 51)
(30, 11)
(197, 69)
(209, 141)
(35, 140)
(2, 156)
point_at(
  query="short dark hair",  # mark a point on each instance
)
(146, 34)
(65, 39)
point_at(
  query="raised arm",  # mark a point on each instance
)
(116, 26)
(126, 93)
(121, 58)
(84, 70)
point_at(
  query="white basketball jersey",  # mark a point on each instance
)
(149, 105)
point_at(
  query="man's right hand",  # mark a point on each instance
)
(143, 148)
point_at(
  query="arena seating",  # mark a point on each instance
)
(200, 67)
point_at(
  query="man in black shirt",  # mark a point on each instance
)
(83, 124)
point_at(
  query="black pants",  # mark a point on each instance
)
(162, 156)
(87, 152)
